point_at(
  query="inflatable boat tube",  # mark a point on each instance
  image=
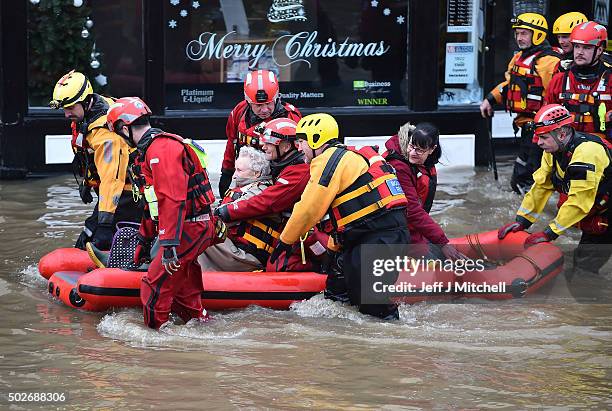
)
(506, 270)
(106, 288)
(65, 259)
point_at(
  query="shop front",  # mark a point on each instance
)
(373, 64)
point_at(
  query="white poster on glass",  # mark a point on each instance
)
(459, 63)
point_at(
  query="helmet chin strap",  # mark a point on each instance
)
(129, 138)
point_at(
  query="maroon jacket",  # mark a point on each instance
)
(422, 227)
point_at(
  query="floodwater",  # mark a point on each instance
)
(545, 351)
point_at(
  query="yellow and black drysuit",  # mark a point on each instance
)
(360, 193)
(101, 161)
(581, 174)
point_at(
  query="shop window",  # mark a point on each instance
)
(326, 54)
(102, 39)
(461, 31)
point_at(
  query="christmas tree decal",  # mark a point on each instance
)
(286, 10)
(60, 39)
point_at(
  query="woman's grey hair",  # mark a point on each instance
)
(404, 134)
(257, 160)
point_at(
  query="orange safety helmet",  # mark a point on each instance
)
(126, 110)
(277, 130)
(589, 33)
(551, 117)
(260, 86)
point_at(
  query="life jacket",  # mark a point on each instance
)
(199, 192)
(256, 236)
(562, 183)
(374, 192)
(587, 100)
(83, 164)
(526, 89)
(426, 181)
(247, 136)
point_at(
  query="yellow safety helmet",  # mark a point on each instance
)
(317, 129)
(70, 89)
(534, 22)
(566, 22)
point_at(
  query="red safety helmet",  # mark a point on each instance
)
(260, 86)
(551, 117)
(277, 130)
(127, 110)
(589, 33)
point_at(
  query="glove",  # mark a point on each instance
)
(103, 236)
(220, 230)
(222, 213)
(225, 181)
(520, 224)
(83, 239)
(280, 247)
(147, 228)
(85, 193)
(142, 253)
(540, 237)
(170, 260)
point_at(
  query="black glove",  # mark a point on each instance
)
(222, 213)
(142, 253)
(170, 260)
(83, 239)
(225, 181)
(280, 247)
(85, 193)
(103, 236)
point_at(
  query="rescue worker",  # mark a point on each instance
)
(586, 88)
(239, 252)
(261, 103)
(178, 198)
(101, 160)
(290, 175)
(414, 152)
(577, 166)
(360, 193)
(562, 28)
(523, 91)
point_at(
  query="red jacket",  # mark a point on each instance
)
(281, 196)
(240, 121)
(166, 165)
(577, 95)
(422, 227)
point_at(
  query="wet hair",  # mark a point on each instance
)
(257, 160)
(423, 135)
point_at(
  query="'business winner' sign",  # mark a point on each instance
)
(297, 47)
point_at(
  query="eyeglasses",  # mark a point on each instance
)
(417, 150)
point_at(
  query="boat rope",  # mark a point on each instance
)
(537, 269)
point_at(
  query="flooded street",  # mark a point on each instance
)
(547, 350)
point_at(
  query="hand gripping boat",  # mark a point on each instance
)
(75, 283)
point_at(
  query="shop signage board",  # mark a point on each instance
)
(324, 53)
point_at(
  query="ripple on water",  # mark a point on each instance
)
(127, 326)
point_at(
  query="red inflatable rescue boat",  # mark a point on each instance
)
(515, 270)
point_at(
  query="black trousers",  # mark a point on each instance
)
(594, 251)
(390, 228)
(127, 210)
(527, 161)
